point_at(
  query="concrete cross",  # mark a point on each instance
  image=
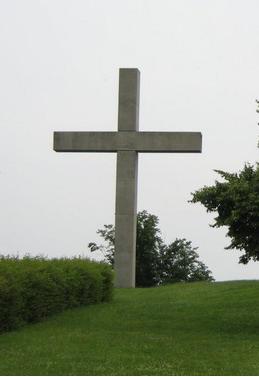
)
(127, 142)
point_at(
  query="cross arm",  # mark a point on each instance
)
(169, 142)
(85, 141)
(149, 142)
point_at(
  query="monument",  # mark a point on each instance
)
(127, 142)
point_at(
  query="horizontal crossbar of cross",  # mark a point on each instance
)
(145, 142)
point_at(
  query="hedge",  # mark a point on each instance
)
(33, 288)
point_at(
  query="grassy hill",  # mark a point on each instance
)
(181, 329)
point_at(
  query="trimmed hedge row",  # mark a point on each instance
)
(33, 288)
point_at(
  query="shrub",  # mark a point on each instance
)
(33, 288)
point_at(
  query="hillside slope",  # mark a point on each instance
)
(181, 329)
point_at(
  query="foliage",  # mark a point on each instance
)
(156, 263)
(147, 250)
(33, 288)
(108, 234)
(179, 262)
(237, 203)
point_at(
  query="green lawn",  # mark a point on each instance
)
(181, 329)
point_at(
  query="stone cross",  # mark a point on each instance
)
(127, 142)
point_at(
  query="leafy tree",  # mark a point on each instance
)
(179, 262)
(237, 203)
(147, 248)
(156, 263)
(108, 234)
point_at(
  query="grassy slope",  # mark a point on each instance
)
(182, 329)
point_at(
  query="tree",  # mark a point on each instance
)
(156, 263)
(147, 248)
(179, 262)
(237, 203)
(108, 234)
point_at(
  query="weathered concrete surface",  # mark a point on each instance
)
(128, 114)
(127, 142)
(126, 180)
(149, 142)
(125, 219)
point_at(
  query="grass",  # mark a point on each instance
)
(181, 329)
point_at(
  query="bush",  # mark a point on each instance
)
(33, 288)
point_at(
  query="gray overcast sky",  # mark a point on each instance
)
(59, 63)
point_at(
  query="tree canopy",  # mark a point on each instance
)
(179, 261)
(156, 262)
(236, 200)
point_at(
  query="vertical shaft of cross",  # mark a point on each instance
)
(126, 182)
(125, 219)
